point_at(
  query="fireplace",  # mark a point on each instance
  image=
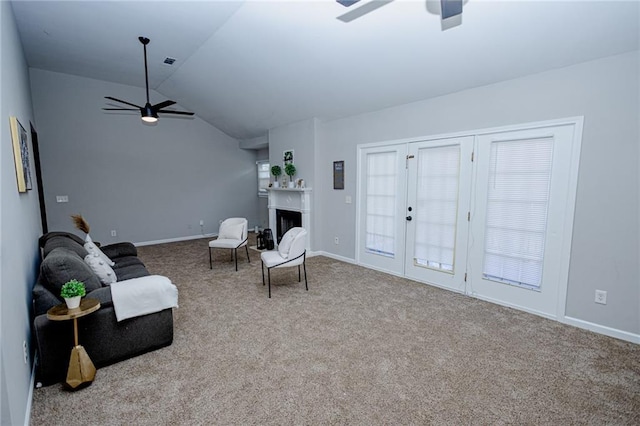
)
(287, 219)
(289, 208)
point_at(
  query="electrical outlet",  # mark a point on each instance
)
(201, 222)
(25, 352)
(336, 240)
(62, 198)
(601, 297)
(114, 233)
(347, 199)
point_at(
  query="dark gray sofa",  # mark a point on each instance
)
(105, 339)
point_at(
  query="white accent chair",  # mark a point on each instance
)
(231, 235)
(291, 252)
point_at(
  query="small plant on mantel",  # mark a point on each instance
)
(290, 170)
(276, 171)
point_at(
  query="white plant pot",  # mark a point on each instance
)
(276, 184)
(292, 184)
(73, 302)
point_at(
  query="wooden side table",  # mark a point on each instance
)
(81, 369)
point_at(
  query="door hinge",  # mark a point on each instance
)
(468, 216)
(472, 156)
(465, 277)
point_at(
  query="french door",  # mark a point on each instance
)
(488, 214)
(382, 181)
(438, 192)
(519, 218)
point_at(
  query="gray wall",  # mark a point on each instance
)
(148, 183)
(19, 230)
(605, 248)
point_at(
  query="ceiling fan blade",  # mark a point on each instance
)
(121, 109)
(163, 105)
(124, 102)
(363, 10)
(175, 112)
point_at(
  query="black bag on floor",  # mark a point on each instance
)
(267, 237)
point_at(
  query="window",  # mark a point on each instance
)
(437, 207)
(381, 203)
(263, 177)
(517, 205)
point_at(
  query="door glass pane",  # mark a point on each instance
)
(437, 207)
(381, 203)
(517, 205)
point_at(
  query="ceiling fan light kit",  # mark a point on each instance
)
(149, 113)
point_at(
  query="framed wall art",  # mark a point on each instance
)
(287, 157)
(21, 155)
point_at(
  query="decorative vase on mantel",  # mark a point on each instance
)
(276, 184)
(292, 184)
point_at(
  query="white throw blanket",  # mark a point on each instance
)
(142, 296)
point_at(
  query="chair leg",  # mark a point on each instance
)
(304, 265)
(210, 262)
(298, 273)
(247, 249)
(236, 256)
(262, 267)
(269, 274)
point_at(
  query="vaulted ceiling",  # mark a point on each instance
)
(248, 66)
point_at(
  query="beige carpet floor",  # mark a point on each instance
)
(360, 347)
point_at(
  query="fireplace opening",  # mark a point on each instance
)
(285, 220)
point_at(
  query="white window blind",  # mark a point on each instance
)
(518, 201)
(437, 207)
(264, 174)
(381, 203)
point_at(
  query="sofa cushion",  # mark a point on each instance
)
(60, 240)
(63, 265)
(116, 250)
(44, 238)
(131, 271)
(122, 262)
(100, 268)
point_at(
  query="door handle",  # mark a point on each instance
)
(409, 218)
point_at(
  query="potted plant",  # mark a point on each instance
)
(290, 170)
(72, 291)
(276, 171)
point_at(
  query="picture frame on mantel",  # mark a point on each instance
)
(21, 155)
(338, 175)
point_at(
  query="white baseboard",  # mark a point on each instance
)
(334, 256)
(174, 240)
(602, 329)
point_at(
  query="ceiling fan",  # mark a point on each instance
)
(448, 8)
(149, 112)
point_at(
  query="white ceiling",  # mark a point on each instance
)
(246, 67)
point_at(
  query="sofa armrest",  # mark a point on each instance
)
(114, 251)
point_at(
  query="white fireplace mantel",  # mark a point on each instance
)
(292, 199)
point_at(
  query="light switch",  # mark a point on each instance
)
(62, 198)
(347, 199)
